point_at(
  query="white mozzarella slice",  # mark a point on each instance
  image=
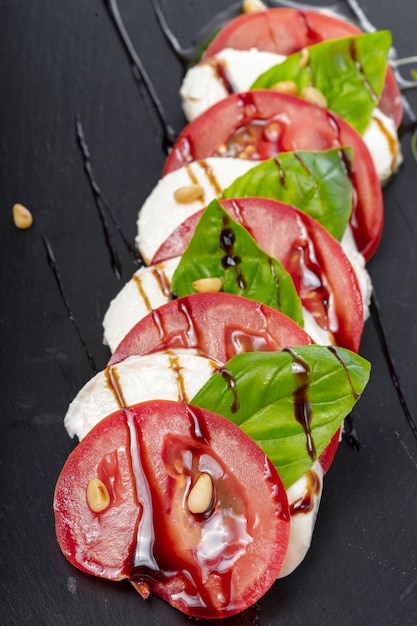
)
(228, 71)
(171, 375)
(304, 500)
(381, 139)
(162, 213)
(148, 289)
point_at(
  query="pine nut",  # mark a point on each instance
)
(207, 285)
(22, 217)
(305, 57)
(313, 95)
(201, 494)
(286, 86)
(97, 495)
(253, 6)
(190, 193)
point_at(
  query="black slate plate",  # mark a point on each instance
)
(64, 59)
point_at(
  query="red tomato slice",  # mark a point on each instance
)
(307, 252)
(219, 324)
(285, 31)
(272, 122)
(210, 563)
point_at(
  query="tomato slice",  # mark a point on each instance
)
(219, 324)
(209, 559)
(271, 122)
(285, 31)
(322, 274)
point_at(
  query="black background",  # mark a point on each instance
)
(60, 59)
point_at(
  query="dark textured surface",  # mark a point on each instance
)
(61, 59)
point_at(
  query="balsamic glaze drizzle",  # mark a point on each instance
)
(190, 55)
(302, 405)
(53, 265)
(139, 72)
(102, 206)
(350, 434)
(376, 318)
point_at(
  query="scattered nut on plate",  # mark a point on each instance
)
(22, 217)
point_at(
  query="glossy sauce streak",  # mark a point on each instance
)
(190, 55)
(144, 556)
(189, 576)
(231, 384)
(53, 265)
(219, 68)
(175, 366)
(113, 383)
(281, 172)
(334, 350)
(99, 201)
(227, 243)
(276, 281)
(305, 504)
(359, 69)
(192, 334)
(138, 280)
(392, 144)
(162, 279)
(209, 174)
(302, 405)
(310, 282)
(376, 318)
(140, 73)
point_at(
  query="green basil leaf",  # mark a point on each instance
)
(317, 183)
(265, 392)
(350, 72)
(220, 247)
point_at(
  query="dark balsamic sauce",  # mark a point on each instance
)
(169, 135)
(189, 56)
(335, 351)
(376, 318)
(305, 504)
(102, 206)
(115, 261)
(53, 265)
(227, 243)
(231, 384)
(350, 434)
(302, 405)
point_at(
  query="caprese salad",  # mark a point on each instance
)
(204, 442)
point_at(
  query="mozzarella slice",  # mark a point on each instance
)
(162, 213)
(148, 289)
(171, 375)
(381, 139)
(234, 71)
(229, 71)
(304, 499)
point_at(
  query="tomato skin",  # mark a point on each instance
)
(201, 138)
(169, 444)
(110, 553)
(285, 31)
(327, 456)
(261, 217)
(218, 324)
